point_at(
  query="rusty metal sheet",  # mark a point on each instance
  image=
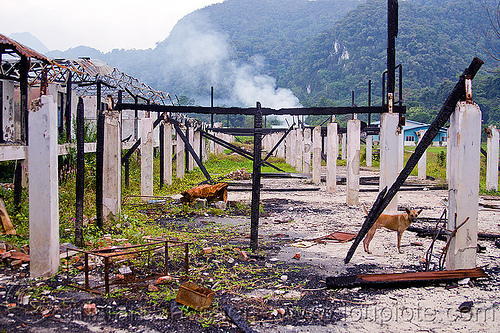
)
(21, 49)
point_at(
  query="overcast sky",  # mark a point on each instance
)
(102, 24)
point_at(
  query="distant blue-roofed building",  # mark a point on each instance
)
(410, 133)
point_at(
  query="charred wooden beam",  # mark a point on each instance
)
(383, 200)
(257, 147)
(80, 172)
(403, 279)
(265, 111)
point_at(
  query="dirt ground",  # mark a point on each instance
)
(291, 217)
(415, 309)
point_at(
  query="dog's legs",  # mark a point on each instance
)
(400, 234)
(369, 237)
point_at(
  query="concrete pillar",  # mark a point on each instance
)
(422, 163)
(43, 189)
(299, 150)
(369, 150)
(307, 151)
(191, 142)
(316, 162)
(401, 151)
(7, 109)
(288, 148)
(293, 148)
(492, 159)
(344, 146)
(331, 156)
(180, 158)
(463, 193)
(146, 127)
(389, 156)
(167, 154)
(353, 156)
(112, 168)
(204, 152)
(196, 147)
(281, 147)
(448, 156)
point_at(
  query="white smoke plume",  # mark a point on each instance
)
(200, 56)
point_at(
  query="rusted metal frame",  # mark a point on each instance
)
(448, 108)
(236, 149)
(107, 256)
(442, 257)
(403, 279)
(437, 233)
(277, 144)
(80, 172)
(256, 177)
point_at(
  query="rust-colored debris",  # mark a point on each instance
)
(217, 192)
(16, 255)
(337, 236)
(402, 279)
(195, 296)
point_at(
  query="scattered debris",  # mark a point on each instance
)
(297, 256)
(164, 279)
(195, 296)
(238, 319)
(241, 174)
(152, 288)
(465, 306)
(89, 309)
(303, 244)
(243, 256)
(175, 311)
(207, 250)
(217, 192)
(337, 236)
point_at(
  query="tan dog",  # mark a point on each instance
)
(399, 223)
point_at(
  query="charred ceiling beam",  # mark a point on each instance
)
(265, 111)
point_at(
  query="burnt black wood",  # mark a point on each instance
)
(265, 111)
(80, 172)
(257, 148)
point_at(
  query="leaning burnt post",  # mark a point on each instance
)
(383, 199)
(257, 145)
(80, 172)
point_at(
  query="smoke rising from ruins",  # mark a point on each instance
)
(200, 57)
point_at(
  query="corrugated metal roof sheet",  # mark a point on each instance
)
(21, 49)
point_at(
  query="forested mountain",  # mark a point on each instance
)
(320, 50)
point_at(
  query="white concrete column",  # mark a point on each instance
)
(343, 154)
(307, 151)
(332, 152)
(43, 188)
(422, 162)
(300, 150)
(463, 193)
(369, 150)
(448, 156)
(8, 116)
(191, 142)
(204, 152)
(401, 151)
(492, 159)
(293, 148)
(112, 167)
(146, 127)
(389, 156)
(281, 147)
(197, 142)
(288, 148)
(353, 156)
(167, 153)
(316, 162)
(180, 158)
